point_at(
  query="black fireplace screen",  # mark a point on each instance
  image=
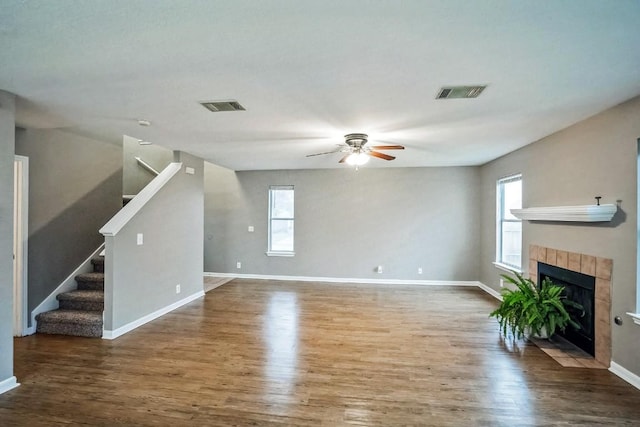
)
(580, 288)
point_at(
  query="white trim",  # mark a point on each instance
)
(21, 316)
(475, 283)
(270, 252)
(125, 214)
(584, 213)
(220, 275)
(347, 280)
(209, 287)
(68, 284)
(635, 317)
(625, 374)
(501, 212)
(490, 291)
(146, 166)
(109, 335)
(8, 384)
(507, 268)
(281, 253)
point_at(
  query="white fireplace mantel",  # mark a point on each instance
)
(583, 213)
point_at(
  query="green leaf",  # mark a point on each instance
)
(527, 307)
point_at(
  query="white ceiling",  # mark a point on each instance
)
(309, 72)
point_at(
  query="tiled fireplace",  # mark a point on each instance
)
(601, 269)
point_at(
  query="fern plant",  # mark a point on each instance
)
(529, 309)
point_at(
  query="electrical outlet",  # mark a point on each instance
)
(238, 264)
(177, 288)
(139, 239)
(419, 270)
(250, 229)
(501, 283)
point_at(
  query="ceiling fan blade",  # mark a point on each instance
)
(380, 155)
(387, 147)
(320, 154)
(342, 160)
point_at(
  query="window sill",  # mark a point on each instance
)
(506, 267)
(285, 254)
(635, 317)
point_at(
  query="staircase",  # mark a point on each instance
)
(80, 311)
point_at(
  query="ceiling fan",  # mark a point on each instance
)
(357, 153)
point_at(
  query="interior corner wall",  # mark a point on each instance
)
(75, 186)
(348, 222)
(7, 139)
(595, 157)
(134, 176)
(144, 277)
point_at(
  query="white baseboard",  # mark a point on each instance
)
(210, 274)
(625, 374)
(68, 284)
(210, 286)
(346, 280)
(490, 291)
(476, 283)
(110, 335)
(8, 384)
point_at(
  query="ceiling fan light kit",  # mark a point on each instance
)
(356, 139)
(358, 154)
(357, 159)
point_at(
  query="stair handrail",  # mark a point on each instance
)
(124, 215)
(146, 166)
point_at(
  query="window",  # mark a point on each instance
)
(636, 315)
(281, 220)
(509, 228)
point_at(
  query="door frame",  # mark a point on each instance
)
(20, 245)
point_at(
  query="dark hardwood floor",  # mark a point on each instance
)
(293, 353)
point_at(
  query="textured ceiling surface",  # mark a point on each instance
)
(309, 72)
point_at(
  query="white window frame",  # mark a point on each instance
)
(270, 251)
(636, 316)
(500, 263)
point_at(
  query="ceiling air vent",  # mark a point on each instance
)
(457, 92)
(217, 106)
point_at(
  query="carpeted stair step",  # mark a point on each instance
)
(70, 322)
(81, 300)
(98, 264)
(90, 281)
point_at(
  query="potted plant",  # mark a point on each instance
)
(528, 309)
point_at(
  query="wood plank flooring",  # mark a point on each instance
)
(312, 354)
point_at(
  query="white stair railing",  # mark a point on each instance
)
(147, 166)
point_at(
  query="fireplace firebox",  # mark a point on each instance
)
(580, 288)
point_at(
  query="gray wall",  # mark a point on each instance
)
(596, 157)
(134, 176)
(142, 279)
(75, 186)
(348, 222)
(7, 138)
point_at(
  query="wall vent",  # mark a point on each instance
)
(216, 106)
(458, 92)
